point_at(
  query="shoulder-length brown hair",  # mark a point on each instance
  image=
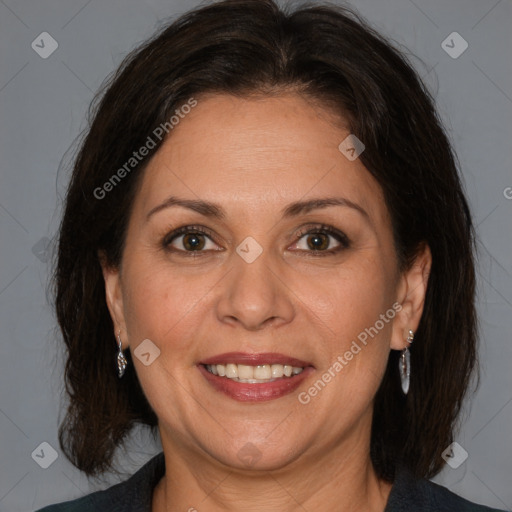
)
(332, 56)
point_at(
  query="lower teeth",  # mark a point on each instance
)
(252, 381)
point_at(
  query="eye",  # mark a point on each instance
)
(190, 239)
(322, 240)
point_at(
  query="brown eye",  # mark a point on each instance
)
(193, 242)
(190, 239)
(321, 240)
(318, 241)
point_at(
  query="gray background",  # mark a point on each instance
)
(42, 107)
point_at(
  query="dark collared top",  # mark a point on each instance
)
(135, 495)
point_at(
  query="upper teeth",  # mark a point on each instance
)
(252, 374)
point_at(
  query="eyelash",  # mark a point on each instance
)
(323, 229)
(340, 237)
(186, 230)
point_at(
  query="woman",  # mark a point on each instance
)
(266, 254)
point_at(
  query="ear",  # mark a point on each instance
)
(114, 296)
(412, 289)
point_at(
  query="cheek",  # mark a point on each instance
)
(351, 298)
(163, 304)
(356, 309)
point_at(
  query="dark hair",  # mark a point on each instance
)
(329, 55)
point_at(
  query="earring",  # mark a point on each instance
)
(404, 364)
(121, 360)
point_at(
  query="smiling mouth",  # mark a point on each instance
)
(255, 377)
(253, 374)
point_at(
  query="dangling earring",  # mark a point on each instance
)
(404, 364)
(121, 360)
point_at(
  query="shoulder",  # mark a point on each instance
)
(134, 494)
(423, 495)
(85, 504)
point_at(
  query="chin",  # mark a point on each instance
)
(257, 456)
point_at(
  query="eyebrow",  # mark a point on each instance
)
(213, 210)
(302, 207)
(203, 207)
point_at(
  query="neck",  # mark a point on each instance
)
(340, 479)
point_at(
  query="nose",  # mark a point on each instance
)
(255, 296)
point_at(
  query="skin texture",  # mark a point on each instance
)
(253, 157)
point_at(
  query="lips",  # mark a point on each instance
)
(255, 390)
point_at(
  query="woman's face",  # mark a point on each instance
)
(284, 257)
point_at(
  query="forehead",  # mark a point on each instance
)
(253, 153)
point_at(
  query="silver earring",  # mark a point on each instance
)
(121, 360)
(404, 364)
